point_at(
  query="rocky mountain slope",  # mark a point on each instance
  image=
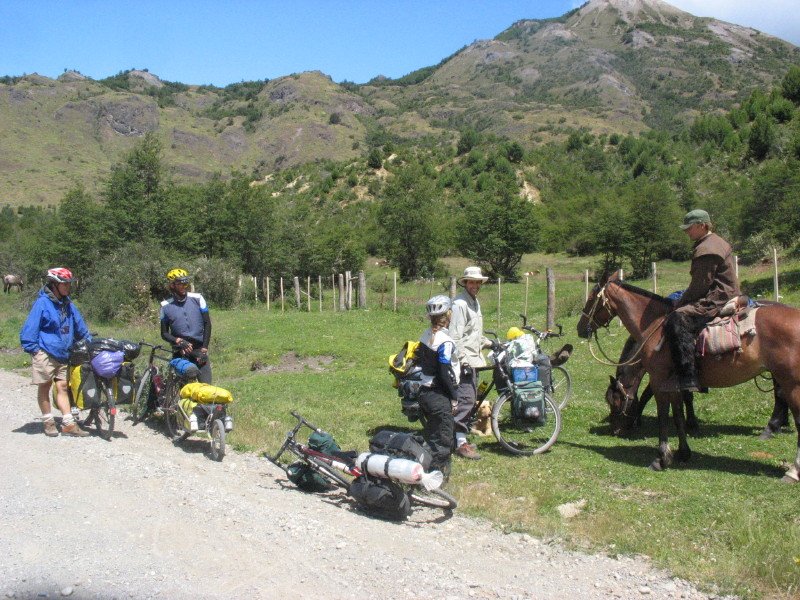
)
(610, 66)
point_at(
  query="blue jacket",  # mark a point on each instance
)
(53, 326)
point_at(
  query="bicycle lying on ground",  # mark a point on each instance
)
(159, 392)
(341, 469)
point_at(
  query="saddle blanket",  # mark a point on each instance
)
(724, 334)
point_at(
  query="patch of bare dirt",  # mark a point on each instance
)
(291, 362)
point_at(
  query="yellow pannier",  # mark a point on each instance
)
(205, 393)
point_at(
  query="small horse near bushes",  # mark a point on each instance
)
(10, 281)
(774, 348)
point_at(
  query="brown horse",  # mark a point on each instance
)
(10, 281)
(622, 394)
(774, 348)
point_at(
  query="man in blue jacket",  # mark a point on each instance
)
(51, 328)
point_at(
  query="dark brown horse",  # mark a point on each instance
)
(774, 348)
(622, 394)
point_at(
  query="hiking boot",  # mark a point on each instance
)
(468, 451)
(74, 430)
(50, 429)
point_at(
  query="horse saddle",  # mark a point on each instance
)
(724, 333)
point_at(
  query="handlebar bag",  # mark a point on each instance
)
(106, 364)
(185, 368)
(308, 480)
(79, 353)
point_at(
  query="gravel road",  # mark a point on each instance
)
(139, 518)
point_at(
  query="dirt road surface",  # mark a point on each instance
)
(140, 518)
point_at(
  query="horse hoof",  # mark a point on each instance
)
(788, 479)
(766, 434)
(656, 465)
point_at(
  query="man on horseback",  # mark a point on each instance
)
(713, 283)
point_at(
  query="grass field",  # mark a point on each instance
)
(723, 519)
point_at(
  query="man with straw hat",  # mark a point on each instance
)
(466, 329)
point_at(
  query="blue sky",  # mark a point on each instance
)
(224, 41)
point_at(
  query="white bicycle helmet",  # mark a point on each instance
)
(438, 305)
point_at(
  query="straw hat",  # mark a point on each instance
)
(472, 274)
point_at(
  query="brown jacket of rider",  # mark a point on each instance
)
(714, 280)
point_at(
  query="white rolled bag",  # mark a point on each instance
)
(399, 469)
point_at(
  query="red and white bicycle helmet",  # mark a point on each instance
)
(59, 275)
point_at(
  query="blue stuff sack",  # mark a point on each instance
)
(106, 364)
(524, 374)
(184, 368)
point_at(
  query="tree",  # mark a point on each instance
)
(791, 84)
(762, 137)
(410, 223)
(497, 227)
(469, 139)
(375, 158)
(134, 191)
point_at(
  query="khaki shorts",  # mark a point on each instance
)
(46, 368)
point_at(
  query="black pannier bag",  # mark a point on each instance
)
(381, 497)
(88, 387)
(401, 445)
(79, 353)
(125, 390)
(131, 350)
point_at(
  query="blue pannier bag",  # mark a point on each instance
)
(106, 364)
(185, 368)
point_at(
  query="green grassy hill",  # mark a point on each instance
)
(610, 66)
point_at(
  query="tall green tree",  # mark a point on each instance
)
(410, 219)
(134, 190)
(496, 228)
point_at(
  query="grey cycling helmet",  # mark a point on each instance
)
(438, 305)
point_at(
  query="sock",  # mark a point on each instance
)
(461, 439)
(47, 417)
(67, 420)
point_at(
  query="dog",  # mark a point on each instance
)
(483, 422)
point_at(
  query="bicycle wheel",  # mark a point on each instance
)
(432, 498)
(218, 440)
(525, 436)
(560, 386)
(103, 416)
(172, 413)
(143, 391)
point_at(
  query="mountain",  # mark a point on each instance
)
(610, 66)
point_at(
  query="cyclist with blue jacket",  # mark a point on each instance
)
(52, 327)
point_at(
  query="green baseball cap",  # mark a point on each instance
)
(695, 216)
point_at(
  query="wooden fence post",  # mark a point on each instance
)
(341, 292)
(266, 282)
(394, 296)
(255, 288)
(499, 286)
(362, 290)
(775, 273)
(348, 290)
(527, 287)
(296, 284)
(551, 298)
(655, 277)
(282, 298)
(319, 287)
(308, 293)
(586, 285)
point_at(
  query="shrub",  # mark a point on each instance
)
(218, 280)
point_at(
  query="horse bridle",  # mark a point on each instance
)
(601, 301)
(628, 398)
